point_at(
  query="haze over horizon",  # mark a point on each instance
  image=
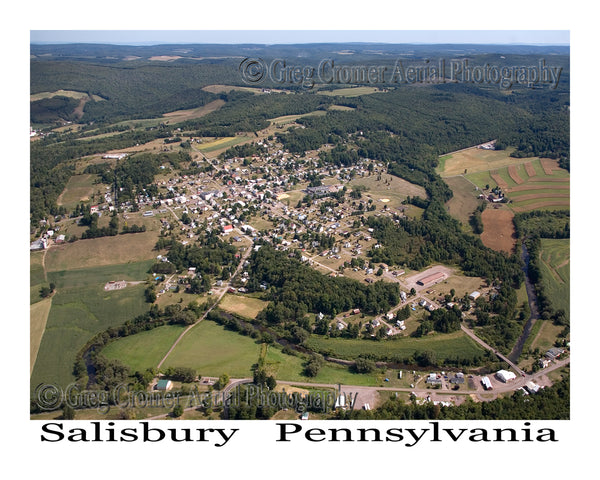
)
(283, 37)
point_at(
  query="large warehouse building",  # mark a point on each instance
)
(431, 279)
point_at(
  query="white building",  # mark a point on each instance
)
(474, 295)
(505, 376)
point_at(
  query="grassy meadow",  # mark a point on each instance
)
(455, 344)
(555, 267)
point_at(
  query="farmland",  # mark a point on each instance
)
(212, 350)
(79, 189)
(145, 349)
(220, 144)
(456, 344)
(555, 266)
(78, 312)
(95, 252)
(498, 229)
(242, 305)
(350, 92)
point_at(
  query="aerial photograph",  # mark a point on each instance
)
(288, 226)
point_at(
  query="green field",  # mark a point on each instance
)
(222, 144)
(455, 344)
(285, 119)
(555, 267)
(464, 199)
(144, 349)
(123, 252)
(36, 269)
(540, 192)
(38, 316)
(80, 309)
(212, 350)
(286, 367)
(100, 275)
(350, 92)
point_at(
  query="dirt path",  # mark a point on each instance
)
(218, 299)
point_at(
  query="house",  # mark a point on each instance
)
(485, 381)
(554, 353)
(532, 387)
(227, 229)
(433, 379)
(505, 376)
(544, 362)
(60, 239)
(164, 385)
(458, 379)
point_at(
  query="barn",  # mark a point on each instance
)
(431, 279)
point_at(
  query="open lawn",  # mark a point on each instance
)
(63, 93)
(290, 368)
(229, 88)
(93, 252)
(145, 349)
(545, 335)
(242, 305)
(498, 229)
(36, 268)
(212, 350)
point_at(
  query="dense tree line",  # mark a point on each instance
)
(246, 112)
(53, 109)
(296, 289)
(543, 224)
(210, 257)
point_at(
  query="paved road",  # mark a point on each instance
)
(488, 347)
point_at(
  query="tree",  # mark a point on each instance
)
(364, 365)
(313, 365)
(68, 412)
(222, 382)
(177, 411)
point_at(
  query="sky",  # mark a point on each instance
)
(149, 37)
